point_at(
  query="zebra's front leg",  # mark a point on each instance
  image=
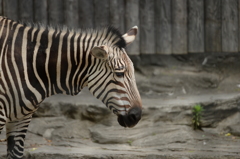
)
(16, 132)
(2, 122)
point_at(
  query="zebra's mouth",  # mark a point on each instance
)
(131, 119)
(121, 121)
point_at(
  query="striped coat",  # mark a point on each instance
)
(38, 61)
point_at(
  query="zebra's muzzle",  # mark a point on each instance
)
(131, 119)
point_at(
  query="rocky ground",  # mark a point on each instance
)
(81, 127)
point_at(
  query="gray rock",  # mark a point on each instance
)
(48, 133)
(82, 127)
(167, 135)
(73, 129)
(95, 113)
(235, 129)
(40, 125)
(220, 111)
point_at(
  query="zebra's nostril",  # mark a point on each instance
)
(135, 113)
(132, 117)
(121, 121)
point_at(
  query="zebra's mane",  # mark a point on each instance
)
(117, 41)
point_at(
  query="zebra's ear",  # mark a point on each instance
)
(130, 36)
(100, 52)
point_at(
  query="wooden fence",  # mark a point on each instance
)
(166, 26)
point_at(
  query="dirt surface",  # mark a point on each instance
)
(82, 127)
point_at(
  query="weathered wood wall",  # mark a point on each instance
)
(165, 26)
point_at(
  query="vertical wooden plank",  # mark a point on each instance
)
(71, 13)
(230, 25)
(213, 38)
(147, 40)
(101, 13)
(132, 19)
(55, 12)
(10, 9)
(163, 25)
(26, 10)
(238, 25)
(179, 28)
(196, 26)
(122, 15)
(116, 8)
(86, 13)
(40, 11)
(1, 7)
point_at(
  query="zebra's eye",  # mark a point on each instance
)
(119, 74)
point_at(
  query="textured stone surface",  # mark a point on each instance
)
(82, 127)
(164, 132)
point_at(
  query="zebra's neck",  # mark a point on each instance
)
(38, 62)
(63, 60)
(42, 61)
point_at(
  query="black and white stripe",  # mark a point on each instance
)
(37, 62)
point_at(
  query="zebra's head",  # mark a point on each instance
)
(112, 79)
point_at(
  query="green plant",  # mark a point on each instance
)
(130, 142)
(197, 115)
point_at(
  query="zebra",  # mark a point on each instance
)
(39, 61)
